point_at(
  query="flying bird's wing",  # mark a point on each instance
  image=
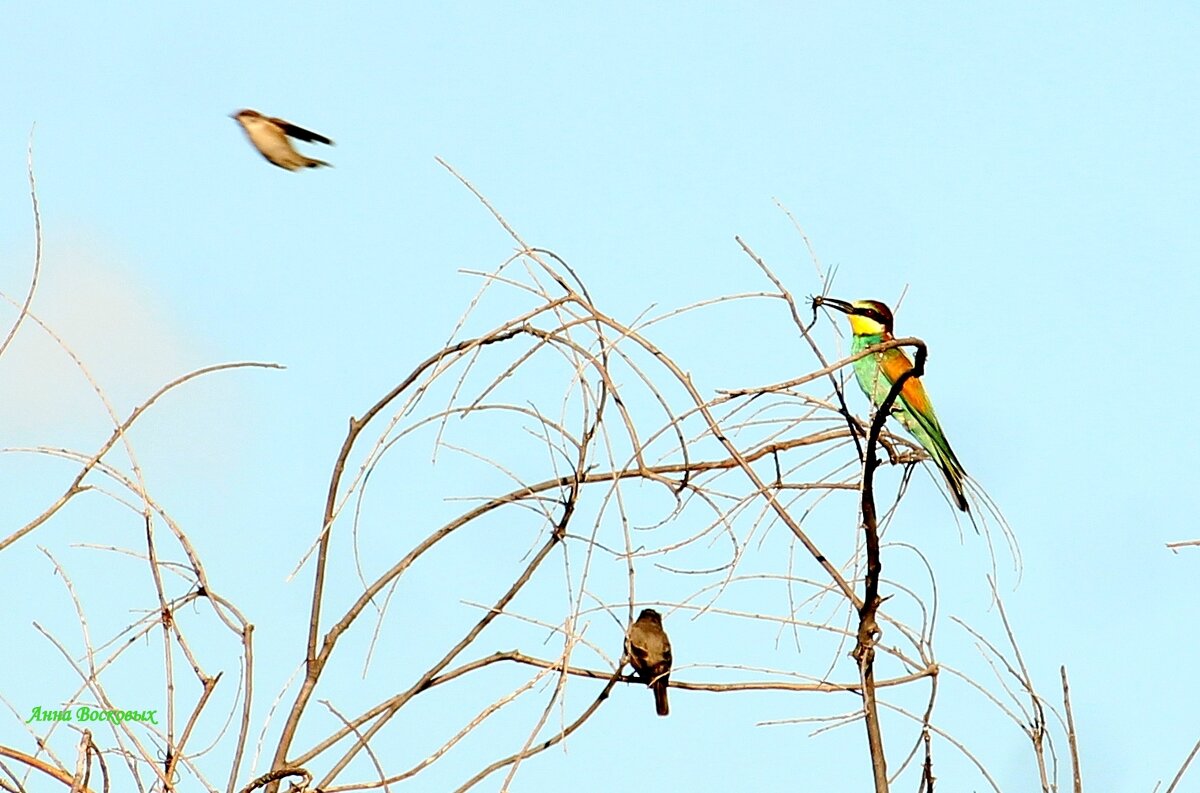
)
(300, 133)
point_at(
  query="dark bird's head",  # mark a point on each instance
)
(867, 317)
(650, 615)
(246, 114)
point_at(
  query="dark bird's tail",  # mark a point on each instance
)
(660, 696)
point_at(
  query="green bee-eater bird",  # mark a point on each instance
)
(871, 323)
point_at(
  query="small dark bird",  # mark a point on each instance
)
(270, 137)
(649, 652)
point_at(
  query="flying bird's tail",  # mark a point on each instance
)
(309, 162)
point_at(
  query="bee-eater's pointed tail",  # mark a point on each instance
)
(960, 498)
(955, 477)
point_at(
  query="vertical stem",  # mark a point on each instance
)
(868, 626)
(1076, 773)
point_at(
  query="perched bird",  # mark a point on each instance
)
(649, 652)
(871, 323)
(270, 137)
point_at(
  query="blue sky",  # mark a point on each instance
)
(1029, 173)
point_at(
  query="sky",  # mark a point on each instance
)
(1025, 175)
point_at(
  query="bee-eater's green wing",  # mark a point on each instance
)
(915, 412)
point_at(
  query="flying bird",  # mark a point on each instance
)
(871, 323)
(649, 652)
(270, 137)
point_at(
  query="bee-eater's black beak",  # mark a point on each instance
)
(840, 305)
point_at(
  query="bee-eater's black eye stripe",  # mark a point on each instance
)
(870, 313)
